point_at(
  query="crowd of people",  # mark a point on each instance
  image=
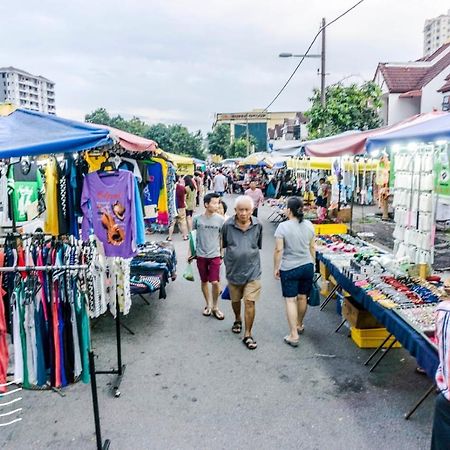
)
(236, 240)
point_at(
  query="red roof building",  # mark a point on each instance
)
(414, 87)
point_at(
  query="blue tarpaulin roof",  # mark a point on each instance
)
(432, 130)
(30, 133)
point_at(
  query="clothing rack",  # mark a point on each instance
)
(100, 445)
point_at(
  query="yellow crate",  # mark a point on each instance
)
(372, 338)
(331, 228)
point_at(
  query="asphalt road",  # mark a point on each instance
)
(191, 384)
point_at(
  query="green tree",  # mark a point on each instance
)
(347, 108)
(238, 148)
(219, 140)
(100, 116)
(172, 138)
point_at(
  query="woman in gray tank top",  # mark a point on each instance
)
(294, 258)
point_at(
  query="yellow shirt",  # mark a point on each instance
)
(94, 162)
(51, 225)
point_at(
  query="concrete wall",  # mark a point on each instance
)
(431, 99)
(401, 108)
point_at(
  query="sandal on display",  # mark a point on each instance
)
(207, 311)
(250, 343)
(237, 327)
(218, 314)
(289, 342)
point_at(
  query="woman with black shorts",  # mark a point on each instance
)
(294, 258)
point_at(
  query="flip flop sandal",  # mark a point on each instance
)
(207, 311)
(218, 314)
(237, 327)
(291, 343)
(301, 330)
(249, 343)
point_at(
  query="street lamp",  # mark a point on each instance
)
(322, 56)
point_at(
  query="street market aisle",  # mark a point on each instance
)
(191, 384)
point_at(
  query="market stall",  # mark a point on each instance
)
(76, 188)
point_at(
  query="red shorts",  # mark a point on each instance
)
(209, 269)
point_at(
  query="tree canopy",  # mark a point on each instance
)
(219, 143)
(347, 108)
(174, 138)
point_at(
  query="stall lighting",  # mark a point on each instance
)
(412, 147)
(375, 153)
(396, 148)
(441, 142)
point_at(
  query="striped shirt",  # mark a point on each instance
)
(443, 342)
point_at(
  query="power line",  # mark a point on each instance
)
(308, 50)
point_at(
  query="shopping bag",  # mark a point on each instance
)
(314, 295)
(192, 242)
(189, 273)
(226, 293)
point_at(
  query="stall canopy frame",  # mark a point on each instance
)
(31, 133)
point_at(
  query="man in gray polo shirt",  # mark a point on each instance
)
(208, 253)
(242, 240)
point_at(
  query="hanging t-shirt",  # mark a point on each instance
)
(51, 198)
(132, 166)
(63, 196)
(109, 210)
(25, 182)
(94, 161)
(155, 184)
(5, 220)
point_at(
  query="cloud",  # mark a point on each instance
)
(184, 60)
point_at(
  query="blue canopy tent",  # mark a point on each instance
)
(31, 133)
(432, 130)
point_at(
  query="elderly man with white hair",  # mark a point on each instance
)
(242, 240)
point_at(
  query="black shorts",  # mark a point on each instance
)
(297, 281)
(189, 212)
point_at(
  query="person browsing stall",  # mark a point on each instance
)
(242, 241)
(208, 252)
(294, 258)
(256, 195)
(180, 196)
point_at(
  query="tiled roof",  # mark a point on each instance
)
(436, 53)
(401, 79)
(445, 88)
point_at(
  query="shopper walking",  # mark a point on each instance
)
(208, 253)
(180, 219)
(220, 183)
(294, 258)
(256, 195)
(191, 197)
(198, 178)
(441, 425)
(242, 240)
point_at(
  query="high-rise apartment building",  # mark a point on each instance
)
(435, 33)
(27, 91)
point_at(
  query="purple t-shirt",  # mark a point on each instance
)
(109, 211)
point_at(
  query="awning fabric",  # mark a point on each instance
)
(355, 144)
(257, 159)
(28, 133)
(435, 129)
(132, 142)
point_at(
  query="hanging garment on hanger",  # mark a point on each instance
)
(26, 187)
(51, 224)
(5, 219)
(94, 160)
(109, 209)
(152, 190)
(4, 354)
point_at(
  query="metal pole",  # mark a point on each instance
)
(322, 75)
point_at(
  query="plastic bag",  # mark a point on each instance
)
(226, 294)
(189, 273)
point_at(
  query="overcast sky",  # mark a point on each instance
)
(184, 60)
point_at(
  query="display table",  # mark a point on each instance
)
(419, 347)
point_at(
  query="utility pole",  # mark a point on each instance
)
(322, 75)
